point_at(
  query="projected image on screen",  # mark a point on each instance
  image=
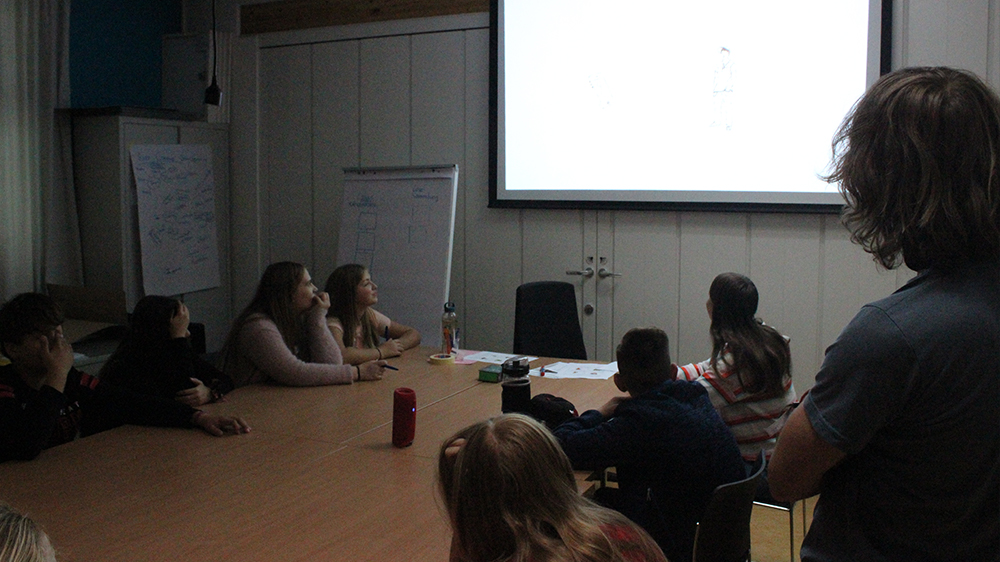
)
(717, 102)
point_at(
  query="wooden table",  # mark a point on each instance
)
(316, 479)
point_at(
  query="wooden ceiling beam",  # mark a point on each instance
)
(289, 15)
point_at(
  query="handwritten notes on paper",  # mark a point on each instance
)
(175, 195)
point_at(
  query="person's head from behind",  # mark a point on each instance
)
(643, 360)
(508, 487)
(918, 161)
(732, 301)
(21, 539)
(149, 323)
(24, 317)
(758, 354)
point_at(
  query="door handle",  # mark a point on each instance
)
(604, 273)
(587, 272)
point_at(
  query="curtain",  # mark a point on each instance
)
(37, 207)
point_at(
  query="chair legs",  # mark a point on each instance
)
(791, 523)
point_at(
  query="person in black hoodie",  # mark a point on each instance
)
(666, 440)
(45, 401)
(156, 357)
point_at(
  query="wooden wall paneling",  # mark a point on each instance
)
(286, 123)
(213, 307)
(438, 116)
(785, 267)
(335, 107)
(248, 234)
(646, 253)
(710, 243)
(385, 102)
(491, 238)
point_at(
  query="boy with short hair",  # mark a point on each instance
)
(669, 445)
(44, 401)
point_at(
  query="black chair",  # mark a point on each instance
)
(546, 322)
(723, 533)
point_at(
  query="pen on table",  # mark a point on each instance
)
(390, 367)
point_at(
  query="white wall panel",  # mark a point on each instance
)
(711, 243)
(491, 238)
(646, 254)
(335, 107)
(385, 102)
(438, 117)
(784, 265)
(286, 147)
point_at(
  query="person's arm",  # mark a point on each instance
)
(354, 355)
(407, 337)
(800, 459)
(262, 344)
(594, 440)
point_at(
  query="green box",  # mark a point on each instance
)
(490, 373)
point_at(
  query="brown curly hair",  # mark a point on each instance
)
(917, 161)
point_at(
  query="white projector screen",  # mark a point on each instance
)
(705, 104)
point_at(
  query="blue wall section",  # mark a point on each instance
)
(114, 50)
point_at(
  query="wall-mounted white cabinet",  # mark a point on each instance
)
(106, 202)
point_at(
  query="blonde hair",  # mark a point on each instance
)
(511, 495)
(21, 539)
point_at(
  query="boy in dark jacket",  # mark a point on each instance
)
(669, 445)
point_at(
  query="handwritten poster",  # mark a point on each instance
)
(175, 195)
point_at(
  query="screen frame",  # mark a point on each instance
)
(770, 202)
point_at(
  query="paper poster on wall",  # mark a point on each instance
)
(175, 195)
(400, 223)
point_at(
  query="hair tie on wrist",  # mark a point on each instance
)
(379, 350)
(358, 367)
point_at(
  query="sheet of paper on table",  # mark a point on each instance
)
(601, 371)
(493, 357)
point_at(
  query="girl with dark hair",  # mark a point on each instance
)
(357, 326)
(156, 356)
(748, 377)
(510, 495)
(281, 336)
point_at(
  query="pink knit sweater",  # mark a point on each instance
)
(262, 356)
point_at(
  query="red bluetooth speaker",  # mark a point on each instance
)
(404, 416)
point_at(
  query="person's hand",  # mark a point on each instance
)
(454, 447)
(608, 409)
(180, 321)
(57, 356)
(321, 300)
(196, 395)
(372, 370)
(220, 425)
(390, 348)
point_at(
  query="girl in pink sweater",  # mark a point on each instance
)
(282, 337)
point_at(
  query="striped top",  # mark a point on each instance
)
(755, 421)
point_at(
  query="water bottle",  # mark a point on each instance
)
(515, 393)
(449, 328)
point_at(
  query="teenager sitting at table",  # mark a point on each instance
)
(44, 401)
(749, 375)
(668, 444)
(22, 540)
(357, 326)
(511, 495)
(156, 356)
(282, 337)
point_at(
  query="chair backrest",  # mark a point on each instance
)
(723, 533)
(546, 321)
